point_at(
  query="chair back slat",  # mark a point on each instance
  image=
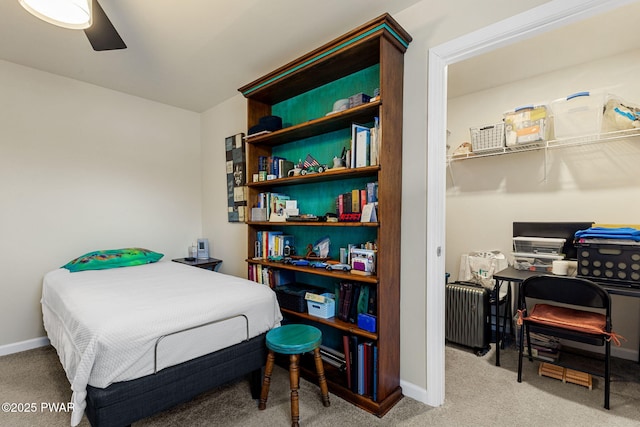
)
(566, 290)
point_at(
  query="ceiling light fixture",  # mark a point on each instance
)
(73, 14)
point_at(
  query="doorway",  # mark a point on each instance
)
(550, 16)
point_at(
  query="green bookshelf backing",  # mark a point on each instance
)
(322, 147)
(318, 102)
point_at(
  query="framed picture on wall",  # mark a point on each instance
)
(236, 177)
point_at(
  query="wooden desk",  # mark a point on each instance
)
(512, 275)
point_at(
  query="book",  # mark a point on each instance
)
(353, 354)
(355, 201)
(368, 368)
(284, 166)
(267, 242)
(363, 300)
(355, 128)
(372, 192)
(282, 277)
(363, 141)
(346, 197)
(369, 213)
(361, 369)
(279, 203)
(345, 296)
(352, 316)
(259, 273)
(346, 342)
(374, 149)
(372, 307)
(374, 369)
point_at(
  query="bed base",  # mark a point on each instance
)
(123, 403)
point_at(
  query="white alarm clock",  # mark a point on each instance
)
(203, 248)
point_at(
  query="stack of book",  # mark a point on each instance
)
(361, 358)
(272, 244)
(271, 277)
(277, 167)
(273, 203)
(365, 147)
(543, 347)
(355, 298)
(354, 201)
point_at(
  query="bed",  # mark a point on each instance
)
(137, 340)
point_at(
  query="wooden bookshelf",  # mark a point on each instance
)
(302, 92)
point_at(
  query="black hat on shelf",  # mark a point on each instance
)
(267, 123)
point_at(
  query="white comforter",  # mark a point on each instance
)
(104, 324)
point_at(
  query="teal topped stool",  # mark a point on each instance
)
(294, 340)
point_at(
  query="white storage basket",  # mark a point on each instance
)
(487, 138)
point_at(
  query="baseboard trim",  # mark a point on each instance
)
(413, 391)
(619, 352)
(17, 347)
(624, 353)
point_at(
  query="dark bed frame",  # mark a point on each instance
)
(123, 403)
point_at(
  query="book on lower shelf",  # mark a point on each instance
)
(361, 360)
(353, 299)
(272, 277)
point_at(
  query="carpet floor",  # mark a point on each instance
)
(477, 394)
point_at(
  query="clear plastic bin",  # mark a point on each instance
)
(579, 114)
(526, 125)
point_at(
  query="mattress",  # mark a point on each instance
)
(121, 324)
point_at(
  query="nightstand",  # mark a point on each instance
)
(208, 264)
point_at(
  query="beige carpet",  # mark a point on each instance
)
(477, 394)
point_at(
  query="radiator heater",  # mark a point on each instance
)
(468, 316)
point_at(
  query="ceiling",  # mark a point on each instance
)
(607, 34)
(196, 53)
(191, 54)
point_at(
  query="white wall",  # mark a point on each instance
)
(228, 240)
(588, 183)
(83, 168)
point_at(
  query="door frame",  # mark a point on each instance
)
(549, 16)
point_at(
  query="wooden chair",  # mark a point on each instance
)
(579, 323)
(294, 339)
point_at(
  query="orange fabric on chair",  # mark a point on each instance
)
(568, 318)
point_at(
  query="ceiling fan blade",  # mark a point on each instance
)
(102, 34)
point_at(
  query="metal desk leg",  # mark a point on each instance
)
(498, 333)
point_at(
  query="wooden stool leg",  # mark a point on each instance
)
(267, 381)
(294, 377)
(321, 378)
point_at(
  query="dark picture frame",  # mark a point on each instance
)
(236, 177)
